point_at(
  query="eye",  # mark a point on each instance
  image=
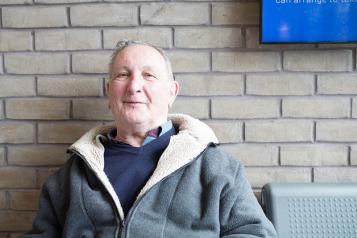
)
(149, 76)
(122, 76)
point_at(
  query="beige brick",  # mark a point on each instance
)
(16, 132)
(37, 155)
(245, 61)
(196, 107)
(16, 221)
(354, 155)
(174, 14)
(23, 40)
(68, 39)
(17, 86)
(189, 61)
(313, 155)
(37, 63)
(43, 174)
(62, 132)
(316, 107)
(252, 41)
(34, 16)
(70, 86)
(338, 131)
(37, 108)
(279, 131)
(210, 84)
(90, 62)
(258, 177)
(335, 175)
(2, 156)
(91, 109)
(328, 60)
(16, 177)
(61, 1)
(3, 202)
(227, 131)
(235, 13)
(208, 37)
(104, 15)
(5, 2)
(158, 36)
(254, 155)
(24, 200)
(280, 84)
(337, 84)
(243, 107)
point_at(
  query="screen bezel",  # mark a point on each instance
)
(291, 42)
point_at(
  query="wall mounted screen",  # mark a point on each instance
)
(308, 21)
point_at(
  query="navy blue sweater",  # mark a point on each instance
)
(128, 168)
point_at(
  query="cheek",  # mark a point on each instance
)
(162, 100)
(155, 94)
(114, 99)
(116, 91)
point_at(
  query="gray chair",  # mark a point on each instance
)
(312, 210)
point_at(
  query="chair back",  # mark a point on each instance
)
(312, 210)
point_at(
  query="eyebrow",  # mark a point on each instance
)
(150, 68)
(121, 68)
(145, 68)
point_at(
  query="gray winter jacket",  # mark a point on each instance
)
(195, 191)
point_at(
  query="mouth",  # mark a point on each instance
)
(133, 102)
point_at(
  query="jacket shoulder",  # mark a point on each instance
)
(59, 178)
(218, 168)
(216, 158)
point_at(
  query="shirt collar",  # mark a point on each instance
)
(150, 135)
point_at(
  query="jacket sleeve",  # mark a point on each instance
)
(240, 213)
(52, 207)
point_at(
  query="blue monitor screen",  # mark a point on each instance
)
(308, 21)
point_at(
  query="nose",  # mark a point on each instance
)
(135, 84)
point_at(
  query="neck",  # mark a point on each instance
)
(131, 139)
(133, 135)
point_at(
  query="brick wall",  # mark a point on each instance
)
(287, 111)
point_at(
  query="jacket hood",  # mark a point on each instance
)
(192, 138)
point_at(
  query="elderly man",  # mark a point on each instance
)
(151, 174)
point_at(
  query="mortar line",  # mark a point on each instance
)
(33, 38)
(1, 17)
(3, 63)
(68, 12)
(349, 151)
(102, 38)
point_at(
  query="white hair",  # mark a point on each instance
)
(122, 44)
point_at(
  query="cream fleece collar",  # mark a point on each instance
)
(192, 138)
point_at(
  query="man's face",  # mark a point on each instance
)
(140, 92)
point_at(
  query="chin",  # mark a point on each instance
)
(136, 118)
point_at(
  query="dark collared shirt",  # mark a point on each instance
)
(128, 168)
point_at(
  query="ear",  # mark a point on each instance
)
(174, 90)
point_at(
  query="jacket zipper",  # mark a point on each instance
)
(126, 220)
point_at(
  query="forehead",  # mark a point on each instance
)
(139, 56)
